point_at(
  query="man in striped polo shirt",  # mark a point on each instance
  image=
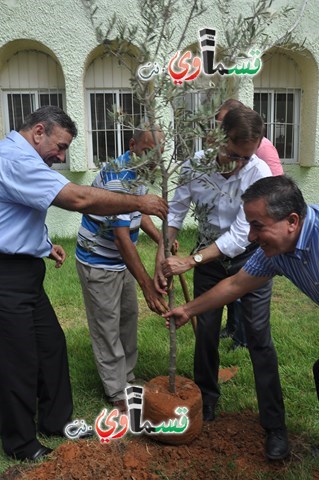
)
(108, 264)
(287, 232)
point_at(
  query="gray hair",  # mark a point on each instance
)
(50, 116)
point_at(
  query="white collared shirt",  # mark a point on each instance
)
(218, 205)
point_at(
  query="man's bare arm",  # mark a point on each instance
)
(222, 294)
(133, 262)
(149, 228)
(99, 201)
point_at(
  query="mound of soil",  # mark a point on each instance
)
(231, 447)
(160, 404)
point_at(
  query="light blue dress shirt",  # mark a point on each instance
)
(27, 188)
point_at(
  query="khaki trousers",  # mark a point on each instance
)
(112, 311)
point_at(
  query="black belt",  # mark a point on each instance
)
(8, 256)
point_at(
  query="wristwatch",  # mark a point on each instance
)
(198, 258)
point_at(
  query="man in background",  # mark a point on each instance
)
(266, 150)
(235, 327)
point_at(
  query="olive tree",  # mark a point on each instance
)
(151, 38)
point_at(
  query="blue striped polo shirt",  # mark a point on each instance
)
(95, 242)
(300, 266)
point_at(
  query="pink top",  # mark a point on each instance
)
(268, 152)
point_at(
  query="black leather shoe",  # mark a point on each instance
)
(277, 445)
(208, 413)
(38, 455)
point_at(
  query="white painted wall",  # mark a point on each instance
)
(63, 30)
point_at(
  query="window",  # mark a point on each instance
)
(19, 105)
(109, 136)
(188, 104)
(30, 79)
(280, 110)
(109, 90)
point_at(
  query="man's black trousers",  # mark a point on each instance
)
(34, 373)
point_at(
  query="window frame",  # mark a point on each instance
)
(118, 130)
(271, 124)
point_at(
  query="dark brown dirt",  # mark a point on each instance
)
(231, 447)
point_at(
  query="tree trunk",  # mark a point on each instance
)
(171, 300)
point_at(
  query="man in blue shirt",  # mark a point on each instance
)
(108, 264)
(287, 232)
(33, 358)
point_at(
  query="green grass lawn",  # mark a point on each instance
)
(295, 332)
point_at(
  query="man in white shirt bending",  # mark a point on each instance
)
(222, 249)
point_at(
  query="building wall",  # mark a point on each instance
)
(62, 30)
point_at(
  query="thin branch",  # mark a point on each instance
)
(189, 19)
(294, 26)
(165, 20)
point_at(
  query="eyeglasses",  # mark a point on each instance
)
(233, 157)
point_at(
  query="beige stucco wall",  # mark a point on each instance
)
(62, 28)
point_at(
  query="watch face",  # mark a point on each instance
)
(198, 257)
